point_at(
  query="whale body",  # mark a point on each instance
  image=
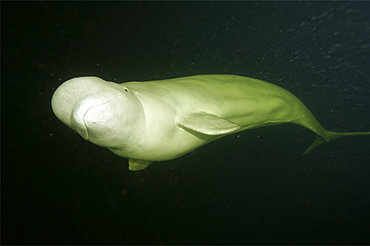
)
(165, 119)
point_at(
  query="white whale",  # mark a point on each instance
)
(165, 119)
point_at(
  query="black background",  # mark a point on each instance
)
(249, 188)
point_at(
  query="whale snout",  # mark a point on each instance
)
(70, 92)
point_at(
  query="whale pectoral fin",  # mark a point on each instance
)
(137, 165)
(206, 123)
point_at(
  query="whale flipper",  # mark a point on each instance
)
(208, 124)
(137, 165)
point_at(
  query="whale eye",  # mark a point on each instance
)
(126, 89)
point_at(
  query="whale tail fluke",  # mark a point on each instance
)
(328, 136)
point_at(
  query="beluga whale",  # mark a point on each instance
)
(164, 119)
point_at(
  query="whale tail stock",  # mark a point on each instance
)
(327, 136)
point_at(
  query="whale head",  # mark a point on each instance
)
(101, 112)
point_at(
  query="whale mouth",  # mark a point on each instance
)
(77, 118)
(90, 112)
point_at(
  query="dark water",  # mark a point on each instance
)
(254, 188)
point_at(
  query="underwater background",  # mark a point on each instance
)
(253, 187)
